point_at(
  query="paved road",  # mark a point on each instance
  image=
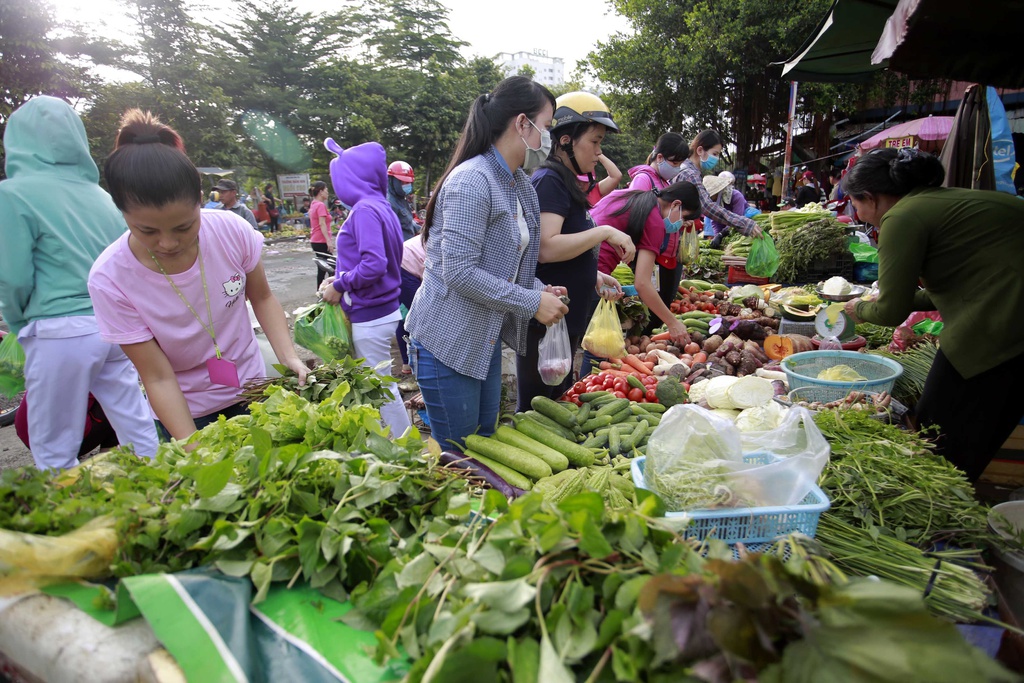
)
(292, 277)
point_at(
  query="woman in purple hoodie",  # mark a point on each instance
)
(367, 281)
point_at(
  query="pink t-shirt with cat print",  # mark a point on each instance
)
(134, 304)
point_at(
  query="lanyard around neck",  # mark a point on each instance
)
(206, 295)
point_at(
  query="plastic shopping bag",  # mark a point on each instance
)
(604, 334)
(555, 354)
(323, 328)
(695, 460)
(763, 260)
(12, 366)
(689, 245)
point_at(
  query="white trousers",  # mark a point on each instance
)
(372, 341)
(60, 373)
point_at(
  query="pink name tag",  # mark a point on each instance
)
(223, 372)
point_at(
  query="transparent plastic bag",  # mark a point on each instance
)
(12, 366)
(695, 460)
(763, 260)
(604, 333)
(555, 354)
(323, 328)
(689, 245)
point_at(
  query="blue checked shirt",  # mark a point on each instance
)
(472, 296)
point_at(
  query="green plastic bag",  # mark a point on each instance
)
(12, 366)
(864, 253)
(323, 328)
(763, 260)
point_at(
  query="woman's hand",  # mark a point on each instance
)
(557, 291)
(298, 367)
(621, 243)
(328, 293)
(677, 330)
(755, 232)
(608, 287)
(551, 309)
(851, 310)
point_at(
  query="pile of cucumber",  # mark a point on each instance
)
(557, 435)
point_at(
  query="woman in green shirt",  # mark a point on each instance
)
(966, 247)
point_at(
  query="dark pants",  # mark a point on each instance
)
(668, 288)
(528, 381)
(975, 416)
(320, 248)
(410, 284)
(230, 411)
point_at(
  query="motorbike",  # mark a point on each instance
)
(325, 263)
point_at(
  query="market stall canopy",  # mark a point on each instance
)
(840, 48)
(976, 41)
(213, 170)
(930, 129)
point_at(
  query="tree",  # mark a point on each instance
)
(409, 33)
(32, 61)
(695, 64)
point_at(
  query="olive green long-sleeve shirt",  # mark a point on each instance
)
(967, 248)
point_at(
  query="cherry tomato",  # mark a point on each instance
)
(651, 396)
(635, 394)
(579, 387)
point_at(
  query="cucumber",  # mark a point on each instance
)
(507, 473)
(613, 407)
(621, 415)
(592, 395)
(598, 440)
(653, 407)
(568, 405)
(558, 413)
(652, 419)
(577, 454)
(635, 382)
(718, 287)
(614, 442)
(510, 456)
(555, 460)
(545, 422)
(697, 325)
(583, 414)
(696, 315)
(701, 285)
(628, 443)
(596, 423)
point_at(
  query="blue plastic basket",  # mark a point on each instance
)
(802, 371)
(748, 525)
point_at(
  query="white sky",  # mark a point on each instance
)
(488, 27)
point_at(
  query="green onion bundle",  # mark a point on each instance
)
(917, 363)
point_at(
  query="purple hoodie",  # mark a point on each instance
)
(370, 241)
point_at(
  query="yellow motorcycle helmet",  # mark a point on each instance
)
(582, 107)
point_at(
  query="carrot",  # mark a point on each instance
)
(650, 365)
(664, 336)
(621, 373)
(700, 357)
(635, 362)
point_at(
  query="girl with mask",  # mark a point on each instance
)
(482, 236)
(652, 219)
(705, 150)
(569, 240)
(662, 165)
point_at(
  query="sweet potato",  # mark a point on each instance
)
(712, 343)
(733, 358)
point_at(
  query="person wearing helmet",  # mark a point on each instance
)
(722, 192)
(595, 189)
(569, 240)
(400, 180)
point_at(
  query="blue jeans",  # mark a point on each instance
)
(457, 405)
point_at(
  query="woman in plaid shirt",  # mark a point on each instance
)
(482, 235)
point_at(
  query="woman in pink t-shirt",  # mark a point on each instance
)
(172, 290)
(653, 219)
(320, 237)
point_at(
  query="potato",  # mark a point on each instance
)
(651, 346)
(674, 350)
(634, 349)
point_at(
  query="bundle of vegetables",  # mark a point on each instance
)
(633, 311)
(877, 336)
(294, 489)
(612, 482)
(694, 286)
(800, 247)
(917, 363)
(365, 385)
(888, 481)
(12, 366)
(794, 218)
(739, 247)
(624, 274)
(708, 266)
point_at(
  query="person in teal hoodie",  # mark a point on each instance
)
(56, 221)
(367, 280)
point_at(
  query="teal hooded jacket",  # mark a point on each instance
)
(55, 219)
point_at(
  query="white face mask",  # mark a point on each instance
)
(536, 157)
(727, 195)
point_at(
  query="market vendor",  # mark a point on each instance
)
(482, 234)
(172, 290)
(967, 248)
(568, 237)
(652, 219)
(721, 189)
